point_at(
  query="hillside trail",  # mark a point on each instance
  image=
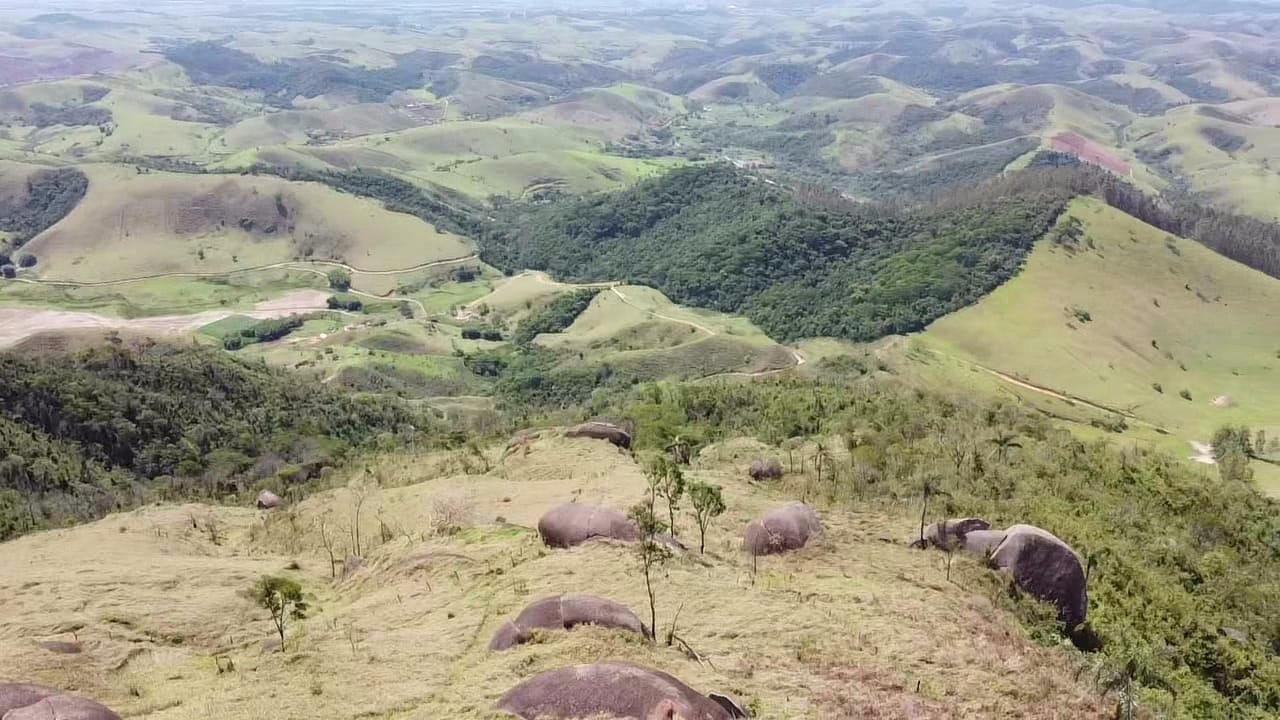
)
(614, 288)
(1049, 392)
(18, 324)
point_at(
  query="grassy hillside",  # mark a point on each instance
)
(1122, 310)
(852, 625)
(133, 224)
(408, 631)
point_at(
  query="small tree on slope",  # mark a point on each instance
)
(281, 597)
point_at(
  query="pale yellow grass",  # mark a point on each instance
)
(856, 625)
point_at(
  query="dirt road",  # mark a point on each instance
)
(18, 324)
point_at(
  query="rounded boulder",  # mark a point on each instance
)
(565, 612)
(765, 469)
(268, 500)
(950, 534)
(789, 527)
(1045, 567)
(597, 430)
(35, 702)
(612, 690)
(573, 524)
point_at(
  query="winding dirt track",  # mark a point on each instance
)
(18, 324)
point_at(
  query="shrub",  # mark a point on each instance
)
(26, 260)
(339, 279)
(1185, 394)
(451, 514)
(1157, 387)
(344, 302)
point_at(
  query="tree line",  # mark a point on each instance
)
(89, 433)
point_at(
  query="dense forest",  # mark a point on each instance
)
(87, 433)
(44, 115)
(1185, 569)
(211, 63)
(556, 316)
(50, 196)
(713, 237)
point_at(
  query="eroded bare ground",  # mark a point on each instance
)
(855, 626)
(18, 324)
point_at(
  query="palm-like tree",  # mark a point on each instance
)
(1003, 442)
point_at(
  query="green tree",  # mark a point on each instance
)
(1003, 442)
(707, 504)
(1232, 448)
(650, 550)
(668, 479)
(339, 279)
(282, 597)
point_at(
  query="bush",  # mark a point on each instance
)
(1157, 387)
(9, 272)
(339, 279)
(26, 260)
(451, 514)
(344, 302)
(1185, 394)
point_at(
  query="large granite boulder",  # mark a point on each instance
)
(573, 524)
(564, 612)
(1045, 567)
(35, 702)
(789, 527)
(612, 690)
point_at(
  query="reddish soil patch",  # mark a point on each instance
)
(1090, 152)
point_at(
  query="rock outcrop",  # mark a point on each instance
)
(789, 527)
(602, 431)
(35, 702)
(950, 534)
(564, 612)
(765, 469)
(573, 524)
(612, 690)
(1047, 568)
(268, 500)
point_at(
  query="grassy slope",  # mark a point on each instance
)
(1244, 179)
(871, 628)
(1227, 340)
(132, 225)
(640, 329)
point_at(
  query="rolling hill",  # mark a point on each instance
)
(1128, 318)
(133, 224)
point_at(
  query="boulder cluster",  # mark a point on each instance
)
(1039, 563)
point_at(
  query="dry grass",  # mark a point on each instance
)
(856, 625)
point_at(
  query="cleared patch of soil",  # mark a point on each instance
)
(18, 324)
(1090, 152)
